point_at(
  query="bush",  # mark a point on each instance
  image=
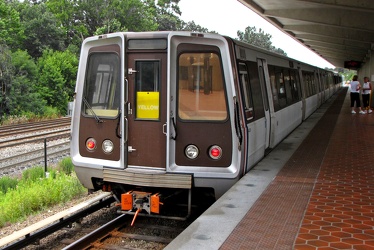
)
(66, 166)
(7, 183)
(13, 119)
(49, 113)
(33, 174)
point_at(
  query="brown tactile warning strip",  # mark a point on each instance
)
(342, 203)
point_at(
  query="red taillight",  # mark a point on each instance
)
(91, 144)
(215, 152)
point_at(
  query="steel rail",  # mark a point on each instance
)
(35, 138)
(32, 124)
(33, 129)
(92, 237)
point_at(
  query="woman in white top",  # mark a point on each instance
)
(355, 95)
(366, 89)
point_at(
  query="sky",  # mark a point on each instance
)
(228, 16)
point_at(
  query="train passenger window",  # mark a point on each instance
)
(247, 95)
(102, 87)
(147, 84)
(285, 86)
(201, 91)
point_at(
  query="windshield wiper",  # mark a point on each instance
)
(98, 120)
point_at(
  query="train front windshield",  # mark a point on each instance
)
(102, 85)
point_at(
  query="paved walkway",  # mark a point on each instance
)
(323, 198)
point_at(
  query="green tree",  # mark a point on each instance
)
(57, 75)
(134, 15)
(6, 75)
(192, 26)
(23, 97)
(11, 30)
(74, 18)
(259, 39)
(167, 13)
(43, 31)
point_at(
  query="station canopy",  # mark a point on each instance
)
(340, 31)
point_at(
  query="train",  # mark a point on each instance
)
(158, 114)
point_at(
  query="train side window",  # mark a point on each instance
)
(246, 90)
(147, 84)
(201, 91)
(102, 88)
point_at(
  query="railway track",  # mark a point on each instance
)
(9, 130)
(34, 156)
(96, 226)
(22, 145)
(118, 234)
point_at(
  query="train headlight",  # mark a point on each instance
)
(91, 144)
(215, 152)
(191, 151)
(107, 146)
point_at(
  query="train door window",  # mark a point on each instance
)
(246, 90)
(201, 87)
(287, 86)
(254, 80)
(293, 86)
(307, 83)
(102, 87)
(147, 85)
(264, 92)
(282, 99)
(309, 79)
(296, 85)
(274, 89)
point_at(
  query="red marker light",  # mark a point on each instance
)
(91, 144)
(215, 152)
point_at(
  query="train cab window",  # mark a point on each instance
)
(246, 90)
(201, 91)
(102, 87)
(147, 85)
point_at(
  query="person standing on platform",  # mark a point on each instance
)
(366, 90)
(355, 95)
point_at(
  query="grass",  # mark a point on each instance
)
(20, 198)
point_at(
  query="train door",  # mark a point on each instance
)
(97, 110)
(265, 85)
(201, 138)
(146, 110)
